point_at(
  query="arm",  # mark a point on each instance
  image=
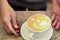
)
(56, 7)
(55, 14)
(3, 3)
(8, 17)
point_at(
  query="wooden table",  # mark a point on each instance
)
(22, 17)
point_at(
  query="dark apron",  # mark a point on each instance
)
(32, 0)
(31, 4)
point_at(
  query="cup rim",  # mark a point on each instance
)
(41, 30)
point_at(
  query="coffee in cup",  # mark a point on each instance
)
(38, 22)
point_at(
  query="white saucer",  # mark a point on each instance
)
(25, 32)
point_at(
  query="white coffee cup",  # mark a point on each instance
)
(33, 32)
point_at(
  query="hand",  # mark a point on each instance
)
(55, 15)
(8, 18)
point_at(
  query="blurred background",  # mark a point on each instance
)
(49, 5)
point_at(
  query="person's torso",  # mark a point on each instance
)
(31, 0)
(32, 4)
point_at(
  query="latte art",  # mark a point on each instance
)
(38, 22)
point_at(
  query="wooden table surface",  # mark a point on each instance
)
(22, 17)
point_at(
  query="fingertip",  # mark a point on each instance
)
(17, 31)
(56, 29)
(16, 27)
(16, 34)
(57, 26)
(54, 23)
